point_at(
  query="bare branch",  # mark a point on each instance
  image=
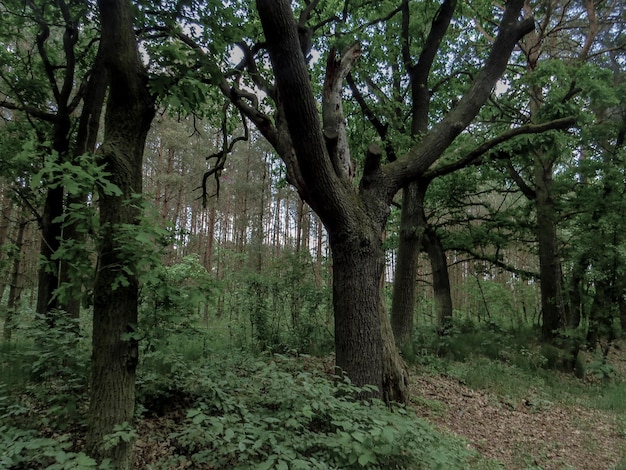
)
(334, 125)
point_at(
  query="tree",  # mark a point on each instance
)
(129, 113)
(554, 62)
(46, 69)
(414, 229)
(355, 219)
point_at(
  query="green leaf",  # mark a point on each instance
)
(229, 435)
(388, 434)
(366, 458)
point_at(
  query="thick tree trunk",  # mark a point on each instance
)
(129, 114)
(357, 270)
(364, 346)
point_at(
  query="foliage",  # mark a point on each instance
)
(57, 362)
(171, 300)
(140, 244)
(41, 412)
(25, 449)
(81, 179)
(285, 306)
(121, 433)
(264, 415)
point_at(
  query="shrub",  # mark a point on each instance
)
(262, 415)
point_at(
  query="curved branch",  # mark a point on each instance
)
(220, 157)
(41, 38)
(300, 112)
(526, 190)
(432, 146)
(29, 110)
(334, 125)
(474, 156)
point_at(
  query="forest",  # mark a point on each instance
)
(312, 234)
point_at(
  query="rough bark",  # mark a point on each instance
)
(129, 113)
(355, 220)
(356, 301)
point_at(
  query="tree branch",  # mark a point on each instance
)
(432, 146)
(34, 112)
(330, 199)
(334, 124)
(526, 190)
(474, 156)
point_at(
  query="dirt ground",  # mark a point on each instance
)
(524, 435)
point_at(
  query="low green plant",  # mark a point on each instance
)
(121, 433)
(265, 415)
(171, 302)
(41, 412)
(26, 449)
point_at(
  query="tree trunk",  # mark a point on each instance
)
(48, 275)
(549, 260)
(415, 231)
(412, 218)
(575, 299)
(129, 114)
(361, 322)
(5, 225)
(86, 138)
(15, 289)
(403, 300)
(441, 280)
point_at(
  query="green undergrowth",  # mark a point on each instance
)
(216, 407)
(43, 397)
(280, 412)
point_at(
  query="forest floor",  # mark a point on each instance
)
(526, 432)
(522, 430)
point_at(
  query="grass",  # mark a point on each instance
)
(612, 398)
